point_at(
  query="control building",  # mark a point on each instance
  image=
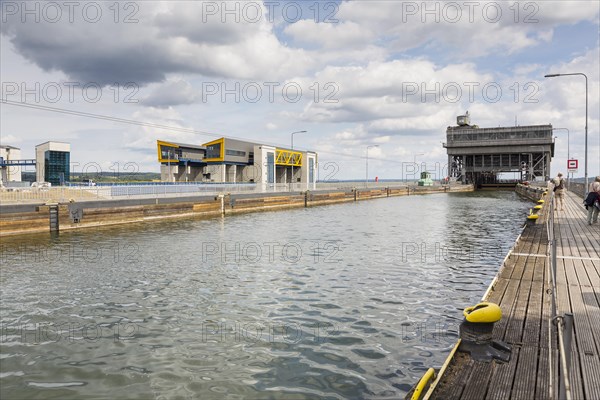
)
(236, 161)
(478, 155)
(52, 162)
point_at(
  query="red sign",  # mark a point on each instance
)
(572, 165)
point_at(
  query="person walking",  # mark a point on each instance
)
(559, 191)
(592, 201)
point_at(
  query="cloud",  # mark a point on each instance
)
(171, 93)
(466, 31)
(169, 38)
(399, 94)
(330, 36)
(9, 139)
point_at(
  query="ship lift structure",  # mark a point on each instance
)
(480, 156)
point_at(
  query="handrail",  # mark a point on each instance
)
(564, 323)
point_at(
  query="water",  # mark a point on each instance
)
(353, 300)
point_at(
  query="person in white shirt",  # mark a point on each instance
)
(559, 191)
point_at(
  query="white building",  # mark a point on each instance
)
(10, 169)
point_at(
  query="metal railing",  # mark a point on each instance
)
(564, 322)
(139, 191)
(578, 188)
(108, 191)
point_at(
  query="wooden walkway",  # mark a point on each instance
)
(522, 289)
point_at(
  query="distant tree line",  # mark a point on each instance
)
(108, 176)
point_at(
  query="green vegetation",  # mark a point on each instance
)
(104, 177)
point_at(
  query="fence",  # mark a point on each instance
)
(133, 191)
(577, 188)
(45, 195)
(105, 191)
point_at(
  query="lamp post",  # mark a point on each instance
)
(367, 164)
(568, 148)
(415, 158)
(292, 159)
(586, 120)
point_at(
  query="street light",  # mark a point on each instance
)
(292, 159)
(293, 133)
(367, 164)
(568, 140)
(586, 120)
(568, 148)
(415, 158)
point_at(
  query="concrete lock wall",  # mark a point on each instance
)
(23, 219)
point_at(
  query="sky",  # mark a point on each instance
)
(387, 76)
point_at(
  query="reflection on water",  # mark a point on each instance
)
(343, 301)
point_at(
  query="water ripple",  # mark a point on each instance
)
(356, 301)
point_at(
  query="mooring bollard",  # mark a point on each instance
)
(476, 333)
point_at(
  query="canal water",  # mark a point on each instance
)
(353, 300)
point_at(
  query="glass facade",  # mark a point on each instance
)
(170, 153)
(56, 166)
(213, 150)
(270, 167)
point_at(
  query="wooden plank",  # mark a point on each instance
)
(506, 305)
(591, 298)
(524, 385)
(586, 347)
(502, 378)
(542, 385)
(495, 295)
(533, 320)
(575, 377)
(514, 330)
(590, 367)
(453, 390)
(547, 329)
(477, 385)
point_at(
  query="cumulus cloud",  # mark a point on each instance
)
(168, 38)
(467, 31)
(171, 93)
(398, 94)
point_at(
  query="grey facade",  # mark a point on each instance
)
(478, 155)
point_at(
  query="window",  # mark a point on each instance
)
(311, 172)
(213, 151)
(270, 167)
(235, 153)
(171, 153)
(56, 167)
